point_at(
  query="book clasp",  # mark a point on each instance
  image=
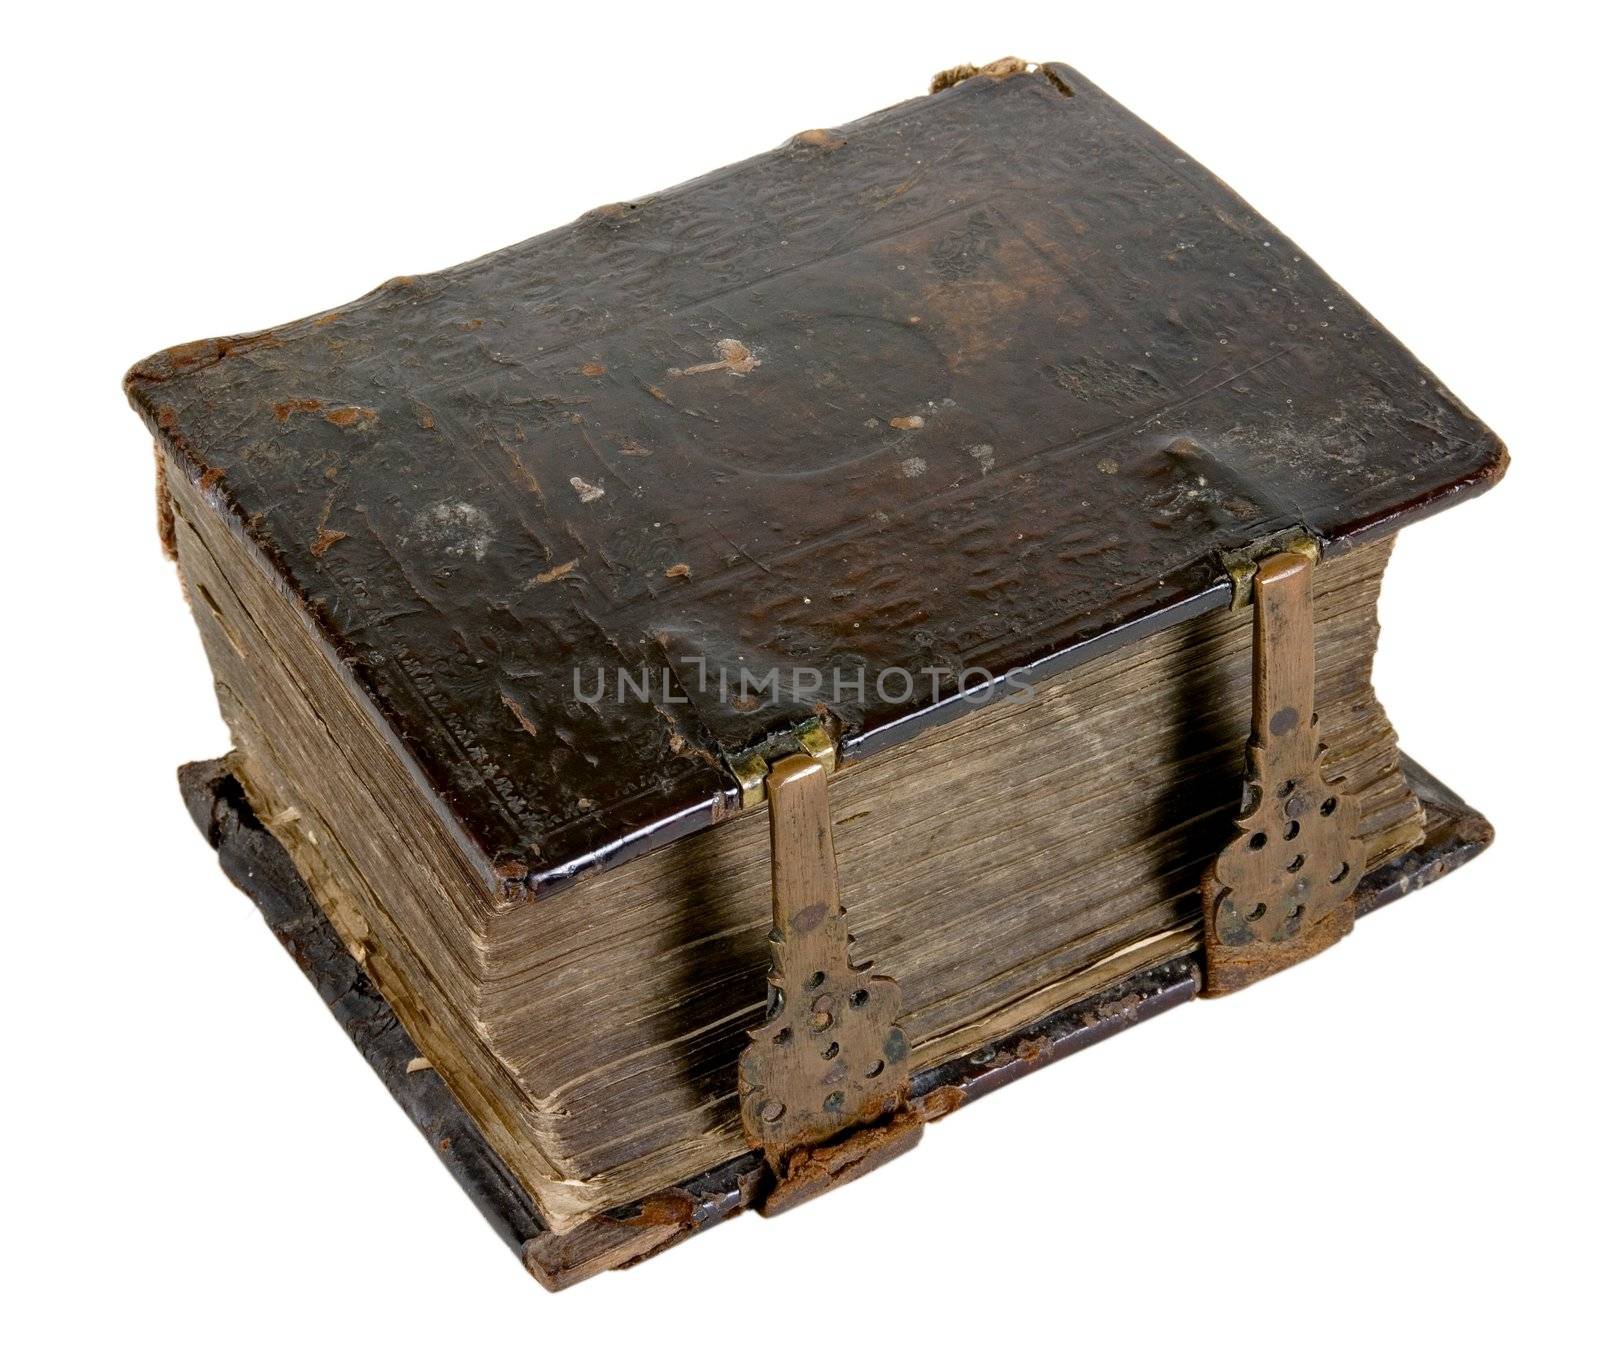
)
(823, 1081)
(1282, 888)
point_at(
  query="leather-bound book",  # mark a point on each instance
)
(743, 674)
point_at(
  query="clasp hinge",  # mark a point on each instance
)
(751, 767)
(823, 1081)
(1281, 890)
(1243, 565)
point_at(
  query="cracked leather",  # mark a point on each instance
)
(993, 378)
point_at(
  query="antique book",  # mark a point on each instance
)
(950, 541)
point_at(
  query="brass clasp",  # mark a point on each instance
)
(1281, 889)
(822, 1083)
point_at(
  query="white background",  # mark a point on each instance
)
(1387, 1151)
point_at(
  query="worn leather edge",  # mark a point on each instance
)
(258, 865)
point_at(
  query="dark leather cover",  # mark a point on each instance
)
(1011, 374)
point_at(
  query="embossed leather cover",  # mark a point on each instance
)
(991, 379)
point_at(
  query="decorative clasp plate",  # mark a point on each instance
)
(822, 1083)
(1281, 889)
